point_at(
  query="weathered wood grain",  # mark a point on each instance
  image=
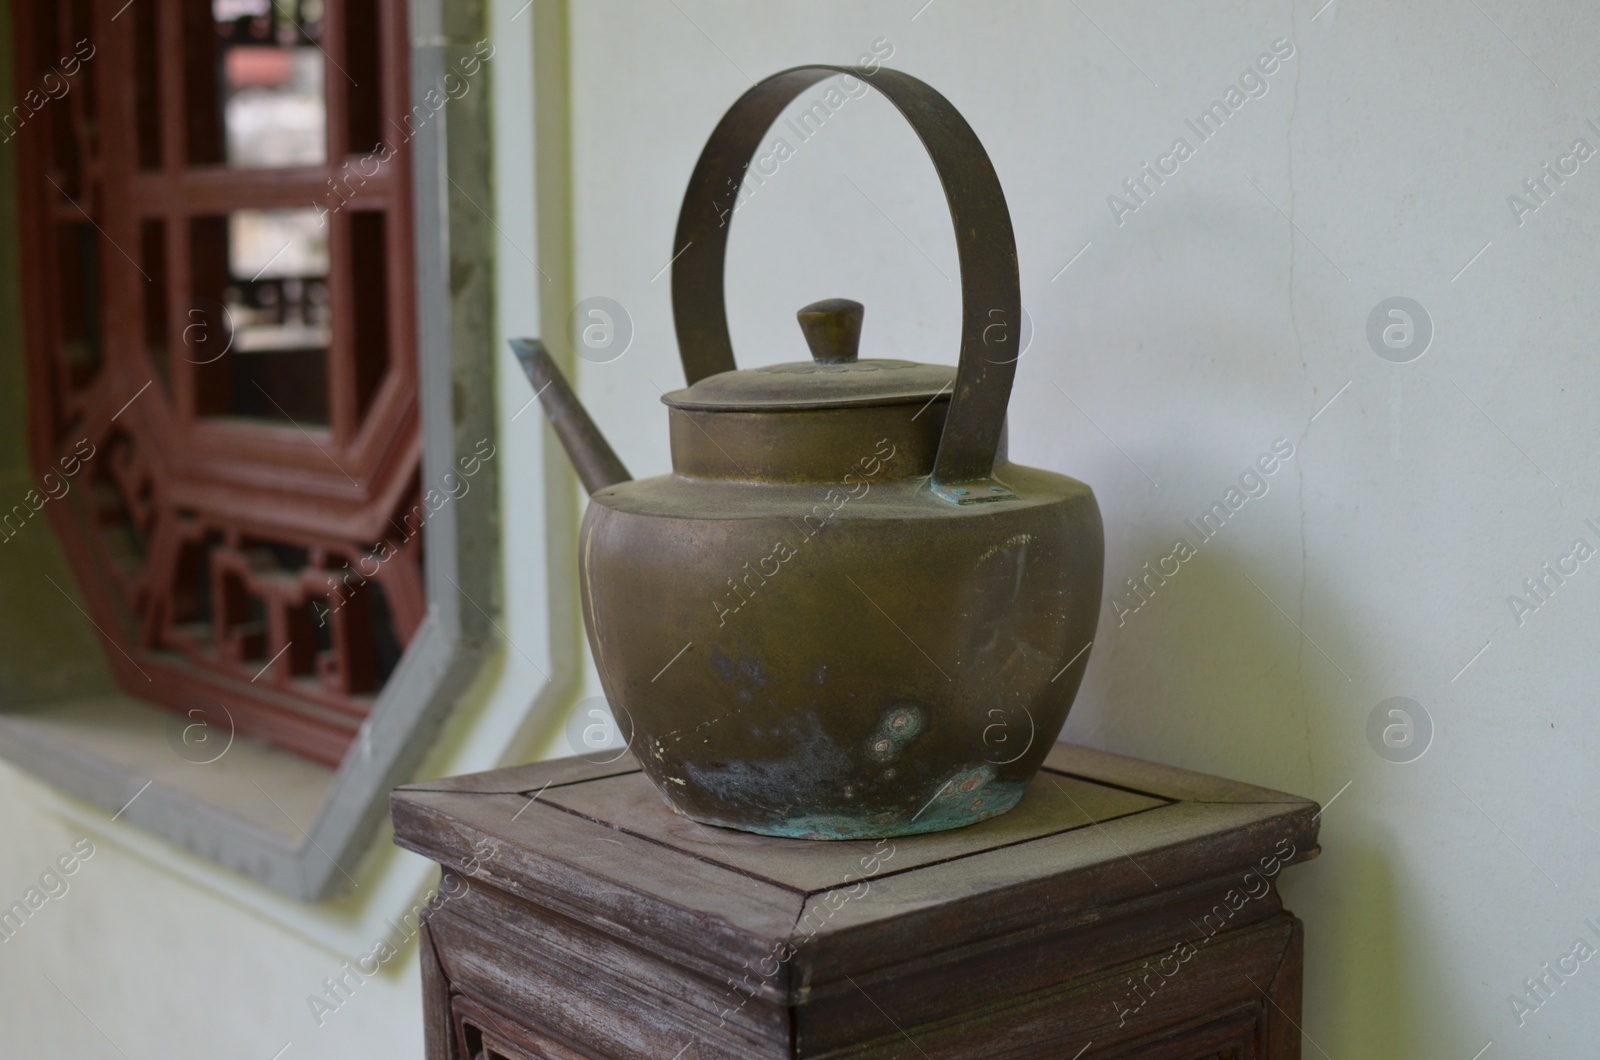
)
(598, 923)
(1057, 944)
(438, 1033)
(880, 1015)
(1153, 778)
(705, 915)
(1051, 805)
(529, 778)
(502, 1036)
(533, 974)
(1077, 877)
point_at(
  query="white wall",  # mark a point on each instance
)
(154, 953)
(1194, 335)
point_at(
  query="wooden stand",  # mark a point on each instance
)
(1123, 909)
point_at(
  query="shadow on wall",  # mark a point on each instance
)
(48, 650)
(1210, 675)
(1365, 956)
(1210, 670)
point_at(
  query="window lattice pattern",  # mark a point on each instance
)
(216, 208)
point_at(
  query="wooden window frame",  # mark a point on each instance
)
(310, 854)
(205, 498)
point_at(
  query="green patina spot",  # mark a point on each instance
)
(900, 725)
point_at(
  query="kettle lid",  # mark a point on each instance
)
(833, 378)
(986, 248)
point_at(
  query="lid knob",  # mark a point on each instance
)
(833, 329)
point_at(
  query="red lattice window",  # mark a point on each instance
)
(217, 236)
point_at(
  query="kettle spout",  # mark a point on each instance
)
(597, 465)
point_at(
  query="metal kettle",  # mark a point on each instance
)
(845, 614)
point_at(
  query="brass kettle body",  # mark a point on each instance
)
(845, 614)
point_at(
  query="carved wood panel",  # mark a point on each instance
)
(216, 217)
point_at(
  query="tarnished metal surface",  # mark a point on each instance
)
(818, 384)
(991, 312)
(813, 627)
(761, 644)
(592, 456)
(833, 329)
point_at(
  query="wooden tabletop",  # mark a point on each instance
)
(597, 844)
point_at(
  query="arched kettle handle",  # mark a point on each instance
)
(985, 247)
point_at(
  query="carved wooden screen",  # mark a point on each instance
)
(218, 283)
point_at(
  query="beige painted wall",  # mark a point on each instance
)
(150, 952)
(1177, 347)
